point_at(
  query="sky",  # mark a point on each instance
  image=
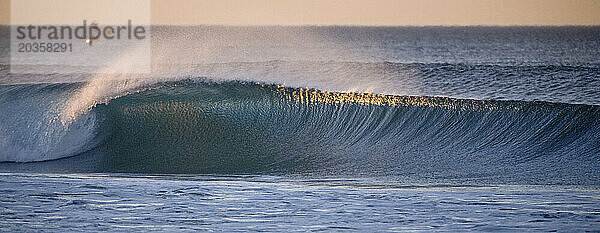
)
(365, 12)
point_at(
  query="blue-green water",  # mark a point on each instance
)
(313, 129)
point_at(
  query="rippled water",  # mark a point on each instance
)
(99, 202)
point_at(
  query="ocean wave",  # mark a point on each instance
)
(234, 127)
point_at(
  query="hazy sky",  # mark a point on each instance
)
(369, 12)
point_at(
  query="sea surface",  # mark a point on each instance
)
(307, 128)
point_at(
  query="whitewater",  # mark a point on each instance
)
(492, 128)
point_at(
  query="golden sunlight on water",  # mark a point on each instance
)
(311, 96)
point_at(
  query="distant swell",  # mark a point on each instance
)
(238, 127)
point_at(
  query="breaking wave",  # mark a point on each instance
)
(233, 127)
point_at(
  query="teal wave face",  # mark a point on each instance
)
(246, 128)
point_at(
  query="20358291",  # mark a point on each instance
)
(45, 47)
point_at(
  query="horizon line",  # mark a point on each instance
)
(349, 25)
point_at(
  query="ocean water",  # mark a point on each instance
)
(312, 129)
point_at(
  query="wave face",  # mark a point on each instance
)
(238, 127)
